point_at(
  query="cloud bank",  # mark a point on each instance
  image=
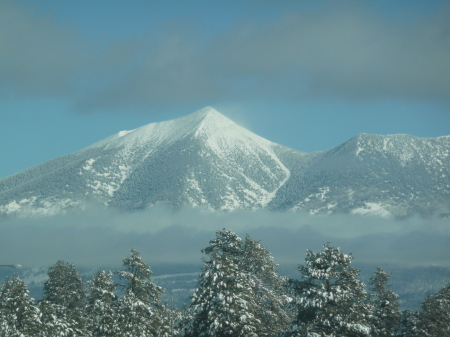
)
(344, 49)
(103, 238)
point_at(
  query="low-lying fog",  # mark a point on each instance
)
(103, 238)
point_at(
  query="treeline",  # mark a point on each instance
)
(239, 293)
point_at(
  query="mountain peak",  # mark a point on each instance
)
(207, 119)
(167, 131)
(207, 110)
(189, 152)
(215, 130)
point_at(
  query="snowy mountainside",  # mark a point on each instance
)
(205, 159)
(201, 159)
(394, 175)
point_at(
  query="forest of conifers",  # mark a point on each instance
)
(239, 293)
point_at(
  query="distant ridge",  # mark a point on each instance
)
(205, 159)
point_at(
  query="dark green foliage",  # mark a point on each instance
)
(64, 286)
(268, 289)
(140, 310)
(435, 315)
(101, 305)
(64, 299)
(137, 279)
(409, 324)
(386, 314)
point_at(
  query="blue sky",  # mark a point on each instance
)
(306, 74)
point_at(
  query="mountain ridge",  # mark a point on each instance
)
(205, 159)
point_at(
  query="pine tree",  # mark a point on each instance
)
(331, 301)
(408, 325)
(221, 305)
(56, 321)
(176, 318)
(18, 314)
(101, 308)
(435, 316)
(64, 300)
(268, 289)
(141, 312)
(386, 315)
(245, 272)
(226, 243)
(8, 330)
(64, 286)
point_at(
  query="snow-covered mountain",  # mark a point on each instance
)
(205, 159)
(201, 159)
(394, 175)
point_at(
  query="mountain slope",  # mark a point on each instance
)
(205, 159)
(394, 175)
(201, 159)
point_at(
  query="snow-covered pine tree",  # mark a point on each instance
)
(331, 301)
(386, 315)
(141, 312)
(7, 330)
(18, 314)
(268, 289)
(221, 305)
(56, 322)
(64, 286)
(63, 300)
(226, 243)
(408, 325)
(435, 316)
(101, 305)
(251, 265)
(175, 317)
